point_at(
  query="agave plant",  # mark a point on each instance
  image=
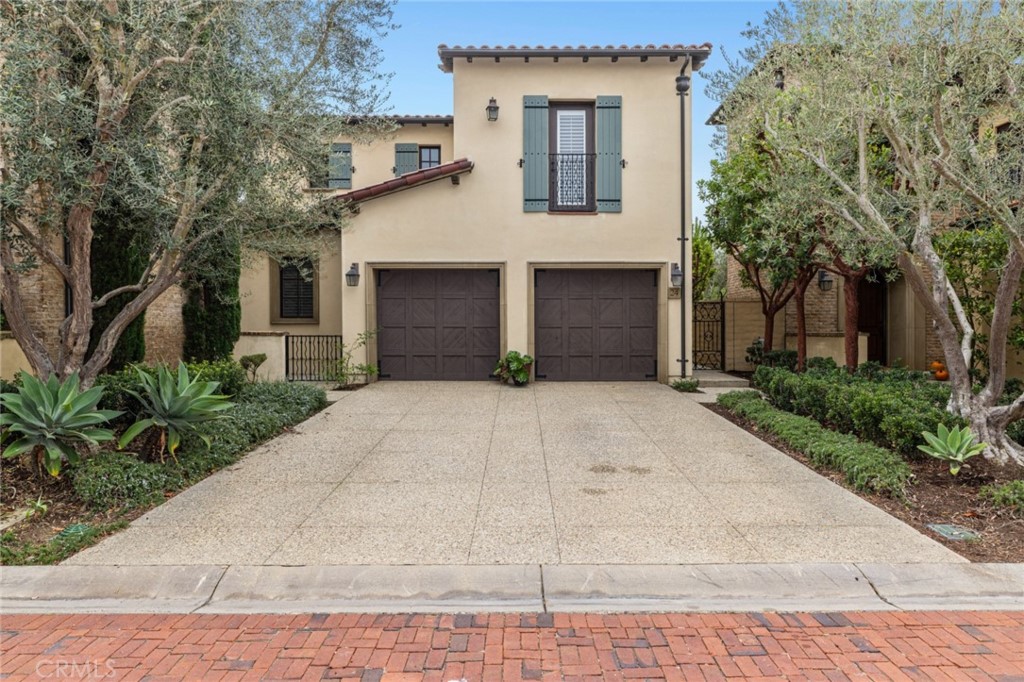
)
(955, 446)
(52, 417)
(175, 406)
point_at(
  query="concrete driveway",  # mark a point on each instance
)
(477, 473)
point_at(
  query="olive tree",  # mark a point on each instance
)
(202, 116)
(940, 84)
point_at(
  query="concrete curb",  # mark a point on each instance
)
(524, 588)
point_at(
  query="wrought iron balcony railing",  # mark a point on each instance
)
(572, 182)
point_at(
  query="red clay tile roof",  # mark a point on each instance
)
(699, 53)
(402, 182)
(407, 119)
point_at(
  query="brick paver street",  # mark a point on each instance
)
(865, 645)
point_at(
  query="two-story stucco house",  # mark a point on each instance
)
(550, 215)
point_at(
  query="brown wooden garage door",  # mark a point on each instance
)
(438, 324)
(596, 325)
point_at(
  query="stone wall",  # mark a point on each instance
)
(165, 329)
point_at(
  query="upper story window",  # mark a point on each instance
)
(571, 159)
(335, 172)
(572, 155)
(430, 156)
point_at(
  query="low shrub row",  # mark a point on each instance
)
(891, 410)
(261, 411)
(865, 466)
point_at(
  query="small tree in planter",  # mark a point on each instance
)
(515, 367)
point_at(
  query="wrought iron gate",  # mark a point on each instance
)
(311, 357)
(709, 335)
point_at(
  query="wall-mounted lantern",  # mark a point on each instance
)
(352, 276)
(824, 280)
(676, 277)
(492, 110)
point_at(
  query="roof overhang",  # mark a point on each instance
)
(416, 178)
(697, 53)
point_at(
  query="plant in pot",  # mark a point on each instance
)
(514, 367)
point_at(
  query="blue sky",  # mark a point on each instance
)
(418, 87)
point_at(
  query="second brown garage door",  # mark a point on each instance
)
(596, 325)
(438, 324)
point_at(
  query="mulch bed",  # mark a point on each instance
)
(934, 497)
(19, 488)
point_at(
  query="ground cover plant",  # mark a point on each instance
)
(107, 488)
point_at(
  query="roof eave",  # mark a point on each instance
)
(697, 53)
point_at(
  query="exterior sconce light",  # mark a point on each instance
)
(492, 110)
(824, 280)
(780, 80)
(352, 276)
(676, 277)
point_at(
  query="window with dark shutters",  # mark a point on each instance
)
(296, 291)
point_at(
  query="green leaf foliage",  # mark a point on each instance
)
(50, 418)
(1008, 496)
(117, 479)
(954, 445)
(865, 466)
(891, 409)
(514, 367)
(175, 404)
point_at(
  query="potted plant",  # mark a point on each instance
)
(515, 367)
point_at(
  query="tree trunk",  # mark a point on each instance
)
(769, 329)
(851, 320)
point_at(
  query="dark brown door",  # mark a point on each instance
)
(596, 325)
(871, 317)
(438, 324)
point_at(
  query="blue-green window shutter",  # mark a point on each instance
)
(609, 154)
(535, 153)
(340, 166)
(407, 158)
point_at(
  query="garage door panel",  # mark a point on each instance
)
(581, 341)
(438, 324)
(611, 340)
(598, 324)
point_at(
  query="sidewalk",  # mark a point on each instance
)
(803, 646)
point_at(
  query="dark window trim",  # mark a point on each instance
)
(591, 170)
(275, 297)
(430, 147)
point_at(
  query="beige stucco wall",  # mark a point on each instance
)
(12, 358)
(482, 220)
(373, 162)
(269, 343)
(744, 323)
(255, 292)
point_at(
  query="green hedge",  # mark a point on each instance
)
(118, 479)
(891, 410)
(866, 466)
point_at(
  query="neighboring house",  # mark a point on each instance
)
(546, 216)
(892, 324)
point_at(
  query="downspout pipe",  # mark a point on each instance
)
(683, 81)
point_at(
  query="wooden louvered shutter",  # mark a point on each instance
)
(296, 293)
(536, 175)
(407, 158)
(609, 154)
(340, 166)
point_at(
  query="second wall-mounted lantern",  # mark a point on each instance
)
(352, 276)
(824, 280)
(492, 110)
(676, 276)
